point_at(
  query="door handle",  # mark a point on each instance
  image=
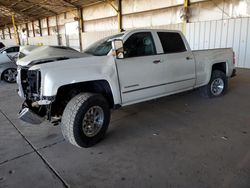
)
(189, 58)
(156, 61)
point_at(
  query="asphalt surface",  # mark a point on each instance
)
(181, 141)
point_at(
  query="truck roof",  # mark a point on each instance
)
(149, 29)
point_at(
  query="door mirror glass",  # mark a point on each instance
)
(117, 48)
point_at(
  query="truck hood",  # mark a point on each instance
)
(33, 55)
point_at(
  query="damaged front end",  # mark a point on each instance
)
(35, 108)
(29, 116)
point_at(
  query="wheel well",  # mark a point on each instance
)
(1, 74)
(220, 66)
(67, 92)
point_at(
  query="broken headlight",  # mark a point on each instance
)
(31, 83)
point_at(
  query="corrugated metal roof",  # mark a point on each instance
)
(28, 10)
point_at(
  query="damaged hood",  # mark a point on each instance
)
(32, 55)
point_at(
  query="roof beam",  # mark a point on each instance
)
(14, 4)
(12, 10)
(38, 5)
(72, 4)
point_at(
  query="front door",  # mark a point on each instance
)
(141, 71)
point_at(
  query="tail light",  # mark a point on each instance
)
(234, 60)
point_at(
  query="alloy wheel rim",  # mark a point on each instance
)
(10, 75)
(217, 86)
(93, 121)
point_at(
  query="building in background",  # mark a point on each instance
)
(211, 24)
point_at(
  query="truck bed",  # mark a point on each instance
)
(205, 58)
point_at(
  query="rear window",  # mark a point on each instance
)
(171, 42)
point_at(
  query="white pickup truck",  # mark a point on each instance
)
(78, 90)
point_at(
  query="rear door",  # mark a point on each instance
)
(178, 60)
(140, 72)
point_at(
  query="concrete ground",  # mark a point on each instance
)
(178, 141)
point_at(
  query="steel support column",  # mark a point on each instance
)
(27, 29)
(47, 24)
(15, 30)
(9, 33)
(80, 23)
(3, 34)
(33, 29)
(185, 16)
(57, 32)
(40, 27)
(28, 33)
(119, 16)
(118, 10)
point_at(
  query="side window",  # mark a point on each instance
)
(139, 44)
(171, 42)
(10, 50)
(16, 49)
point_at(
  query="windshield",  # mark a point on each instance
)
(103, 46)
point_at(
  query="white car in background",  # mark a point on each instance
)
(11, 51)
(8, 58)
(8, 68)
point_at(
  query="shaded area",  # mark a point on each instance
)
(182, 140)
(30, 10)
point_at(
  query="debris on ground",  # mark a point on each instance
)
(2, 179)
(224, 137)
(11, 171)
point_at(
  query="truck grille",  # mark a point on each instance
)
(31, 83)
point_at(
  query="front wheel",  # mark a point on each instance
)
(85, 119)
(217, 85)
(9, 75)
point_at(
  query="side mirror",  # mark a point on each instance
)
(117, 48)
(4, 52)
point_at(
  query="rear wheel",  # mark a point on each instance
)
(217, 85)
(85, 119)
(9, 75)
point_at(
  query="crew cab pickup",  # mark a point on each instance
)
(78, 90)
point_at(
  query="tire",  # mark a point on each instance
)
(9, 75)
(79, 113)
(218, 82)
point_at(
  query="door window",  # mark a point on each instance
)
(139, 44)
(10, 50)
(171, 42)
(16, 49)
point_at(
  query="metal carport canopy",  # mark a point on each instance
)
(31, 10)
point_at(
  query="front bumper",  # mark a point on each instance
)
(28, 116)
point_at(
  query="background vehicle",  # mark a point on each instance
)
(11, 51)
(1, 45)
(79, 90)
(8, 68)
